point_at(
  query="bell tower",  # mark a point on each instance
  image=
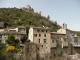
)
(64, 26)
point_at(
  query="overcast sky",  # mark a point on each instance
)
(62, 11)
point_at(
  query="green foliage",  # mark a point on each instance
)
(48, 17)
(16, 17)
(2, 51)
(24, 38)
(4, 55)
(11, 39)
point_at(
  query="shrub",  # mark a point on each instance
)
(10, 48)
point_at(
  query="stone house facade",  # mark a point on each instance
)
(51, 43)
(62, 40)
(41, 37)
(18, 32)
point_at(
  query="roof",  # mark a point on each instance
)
(21, 26)
(57, 33)
(16, 27)
(40, 28)
(11, 32)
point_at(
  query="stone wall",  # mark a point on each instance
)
(30, 51)
(75, 50)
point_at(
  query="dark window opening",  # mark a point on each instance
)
(44, 40)
(44, 35)
(38, 30)
(38, 48)
(65, 40)
(42, 45)
(39, 40)
(46, 30)
(39, 35)
(42, 30)
(52, 41)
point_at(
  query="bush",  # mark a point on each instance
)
(10, 48)
(24, 38)
(11, 39)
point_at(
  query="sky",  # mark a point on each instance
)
(62, 11)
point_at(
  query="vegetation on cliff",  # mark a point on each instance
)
(16, 17)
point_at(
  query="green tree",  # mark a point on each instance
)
(48, 17)
(56, 22)
(11, 39)
(24, 38)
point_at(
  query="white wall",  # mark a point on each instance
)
(4, 37)
(62, 31)
(14, 29)
(30, 36)
(1, 30)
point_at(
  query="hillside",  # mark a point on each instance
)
(27, 17)
(76, 32)
(17, 17)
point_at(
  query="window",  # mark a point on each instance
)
(38, 48)
(44, 35)
(64, 40)
(39, 35)
(46, 30)
(38, 30)
(52, 41)
(42, 45)
(42, 30)
(39, 40)
(35, 35)
(44, 40)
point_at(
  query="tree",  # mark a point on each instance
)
(11, 39)
(48, 17)
(56, 22)
(24, 38)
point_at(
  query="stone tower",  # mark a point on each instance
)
(64, 26)
(28, 7)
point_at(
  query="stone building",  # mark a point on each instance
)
(75, 44)
(50, 44)
(42, 37)
(60, 42)
(18, 32)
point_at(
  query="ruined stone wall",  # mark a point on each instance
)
(30, 51)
